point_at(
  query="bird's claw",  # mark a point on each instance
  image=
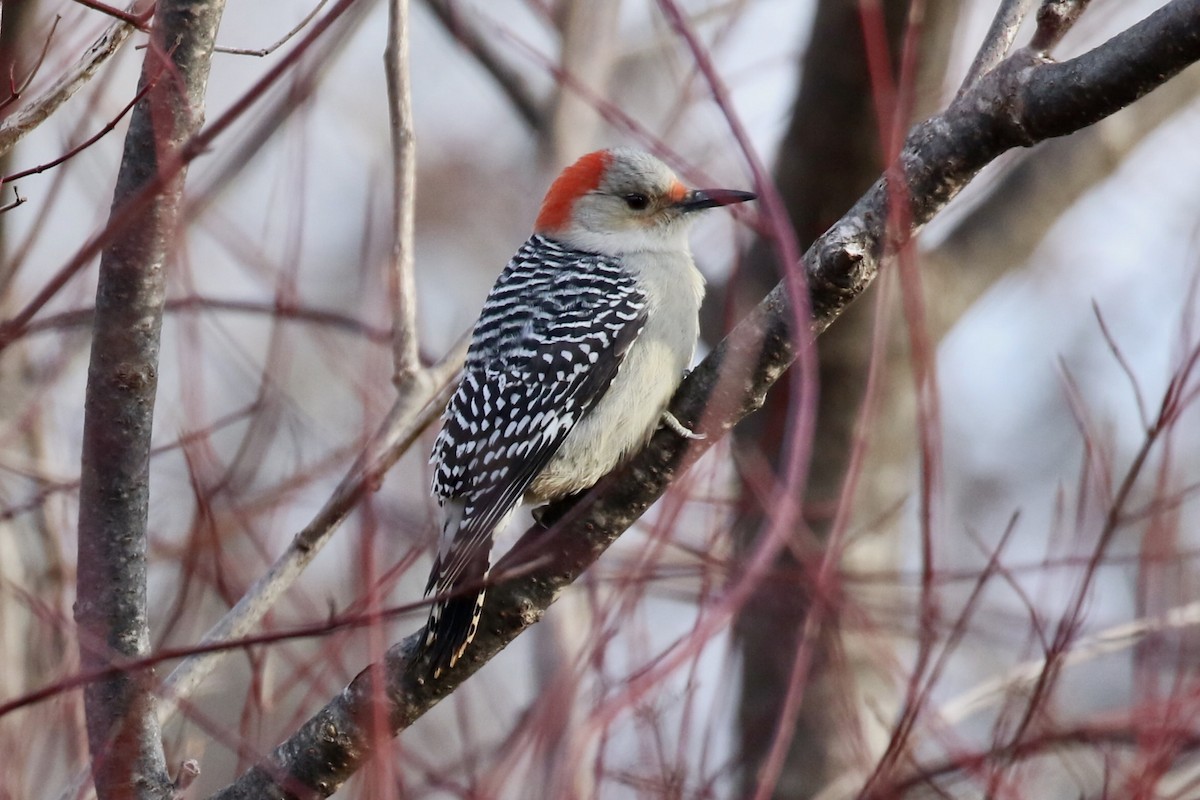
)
(678, 427)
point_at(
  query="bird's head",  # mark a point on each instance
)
(624, 200)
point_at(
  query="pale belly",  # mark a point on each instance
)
(625, 418)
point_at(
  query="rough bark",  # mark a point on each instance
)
(110, 609)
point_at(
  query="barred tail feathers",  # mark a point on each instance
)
(459, 577)
(453, 622)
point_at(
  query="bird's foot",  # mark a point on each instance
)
(678, 427)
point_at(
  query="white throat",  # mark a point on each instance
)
(673, 239)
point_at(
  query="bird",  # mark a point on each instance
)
(582, 341)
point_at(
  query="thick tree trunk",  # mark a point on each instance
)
(831, 153)
(111, 606)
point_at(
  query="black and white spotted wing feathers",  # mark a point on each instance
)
(547, 345)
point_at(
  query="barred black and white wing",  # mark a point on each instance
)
(549, 342)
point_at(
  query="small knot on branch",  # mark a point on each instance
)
(1054, 19)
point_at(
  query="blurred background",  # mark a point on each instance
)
(1031, 506)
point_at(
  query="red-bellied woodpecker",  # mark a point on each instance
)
(579, 347)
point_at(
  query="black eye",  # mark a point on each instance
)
(636, 201)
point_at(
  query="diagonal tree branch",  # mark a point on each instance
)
(1003, 229)
(71, 81)
(110, 609)
(1025, 99)
(413, 411)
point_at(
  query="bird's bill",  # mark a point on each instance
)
(699, 199)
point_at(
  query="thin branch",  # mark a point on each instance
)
(271, 48)
(138, 21)
(1021, 677)
(189, 770)
(36, 112)
(333, 624)
(1099, 737)
(511, 82)
(124, 736)
(1021, 101)
(1003, 228)
(15, 91)
(79, 148)
(1054, 19)
(1162, 505)
(12, 328)
(412, 413)
(198, 303)
(1123, 363)
(407, 365)
(999, 38)
(50, 487)
(1066, 631)
(17, 201)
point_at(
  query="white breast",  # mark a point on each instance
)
(628, 414)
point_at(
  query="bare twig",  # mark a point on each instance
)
(138, 21)
(1102, 736)
(349, 13)
(12, 328)
(196, 303)
(1021, 101)
(1113, 640)
(79, 148)
(189, 770)
(271, 48)
(17, 201)
(1068, 625)
(15, 91)
(110, 610)
(1003, 228)
(30, 116)
(412, 413)
(348, 621)
(999, 38)
(407, 366)
(50, 487)
(1123, 363)
(512, 83)
(1054, 19)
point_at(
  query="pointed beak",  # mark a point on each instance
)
(700, 199)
